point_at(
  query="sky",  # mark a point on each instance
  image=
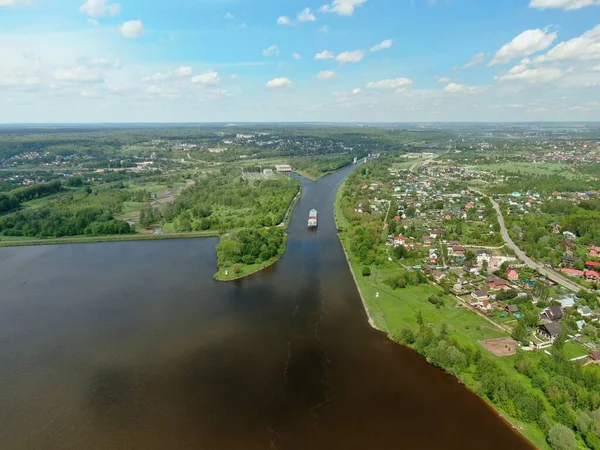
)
(84, 61)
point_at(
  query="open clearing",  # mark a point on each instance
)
(500, 347)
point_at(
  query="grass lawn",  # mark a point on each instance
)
(574, 350)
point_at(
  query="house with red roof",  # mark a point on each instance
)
(572, 272)
(457, 250)
(513, 275)
(592, 264)
(591, 275)
(399, 240)
(495, 283)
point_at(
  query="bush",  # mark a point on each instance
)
(237, 268)
(561, 438)
(435, 300)
(366, 271)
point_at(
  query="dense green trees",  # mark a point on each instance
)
(13, 199)
(250, 246)
(226, 201)
(85, 212)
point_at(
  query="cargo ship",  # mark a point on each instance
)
(312, 219)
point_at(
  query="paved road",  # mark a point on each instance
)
(530, 262)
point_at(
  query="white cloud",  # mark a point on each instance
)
(475, 60)
(562, 4)
(229, 16)
(584, 48)
(13, 2)
(351, 57)
(93, 22)
(206, 79)
(356, 91)
(342, 7)
(455, 88)
(306, 16)
(284, 20)
(525, 44)
(132, 29)
(279, 83)
(157, 91)
(273, 50)
(442, 80)
(522, 72)
(326, 74)
(98, 8)
(383, 44)
(297, 56)
(325, 54)
(597, 68)
(183, 71)
(392, 83)
(78, 74)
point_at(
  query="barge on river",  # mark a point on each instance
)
(312, 219)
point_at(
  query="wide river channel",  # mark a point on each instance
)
(133, 345)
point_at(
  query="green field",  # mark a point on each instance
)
(563, 170)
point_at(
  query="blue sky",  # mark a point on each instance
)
(299, 60)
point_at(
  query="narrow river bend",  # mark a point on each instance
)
(133, 345)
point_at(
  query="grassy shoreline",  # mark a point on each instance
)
(107, 238)
(385, 313)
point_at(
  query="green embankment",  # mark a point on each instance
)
(9, 241)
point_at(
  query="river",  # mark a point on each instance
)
(133, 345)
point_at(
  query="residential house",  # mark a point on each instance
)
(591, 275)
(399, 240)
(580, 325)
(480, 295)
(426, 241)
(569, 235)
(595, 356)
(513, 275)
(568, 260)
(552, 313)
(458, 251)
(495, 283)
(566, 301)
(572, 272)
(483, 256)
(438, 275)
(434, 234)
(550, 330)
(470, 268)
(592, 265)
(511, 309)
(585, 311)
(594, 251)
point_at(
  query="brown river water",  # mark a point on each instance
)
(133, 345)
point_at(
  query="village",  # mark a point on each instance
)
(451, 233)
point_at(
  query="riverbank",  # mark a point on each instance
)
(6, 241)
(395, 311)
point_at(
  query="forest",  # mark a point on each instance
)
(87, 211)
(250, 246)
(225, 201)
